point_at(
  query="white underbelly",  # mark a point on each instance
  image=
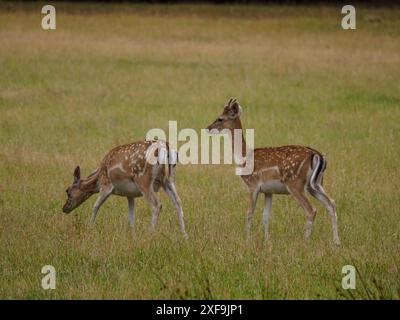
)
(126, 188)
(274, 186)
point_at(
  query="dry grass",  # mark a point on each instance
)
(109, 74)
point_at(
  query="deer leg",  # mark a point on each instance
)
(156, 208)
(266, 214)
(131, 214)
(155, 204)
(146, 188)
(104, 194)
(250, 212)
(170, 189)
(319, 193)
(308, 208)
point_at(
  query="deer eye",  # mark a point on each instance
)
(219, 119)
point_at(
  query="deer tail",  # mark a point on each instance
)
(319, 165)
(172, 161)
(166, 165)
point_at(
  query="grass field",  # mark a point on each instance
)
(108, 74)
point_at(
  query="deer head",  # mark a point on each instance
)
(229, 118)
(75, 193)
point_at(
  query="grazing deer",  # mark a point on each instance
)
(131, 171)
(281, 170)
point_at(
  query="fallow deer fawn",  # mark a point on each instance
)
(126, 171)
(281, 170)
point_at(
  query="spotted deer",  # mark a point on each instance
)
(131, 170)
(290, 170)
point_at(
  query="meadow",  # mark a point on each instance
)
(109, 73)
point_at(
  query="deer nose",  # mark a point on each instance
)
(65, 209)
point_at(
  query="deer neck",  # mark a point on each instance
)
(240, 150)
(91, 184)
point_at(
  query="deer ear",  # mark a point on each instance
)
(77, 175)
(228, 105)
(235, 110)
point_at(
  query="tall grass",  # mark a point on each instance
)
(108, 74)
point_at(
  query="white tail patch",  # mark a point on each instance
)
(316, 162)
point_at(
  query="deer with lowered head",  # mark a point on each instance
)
(131, 170)
(290, 170)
